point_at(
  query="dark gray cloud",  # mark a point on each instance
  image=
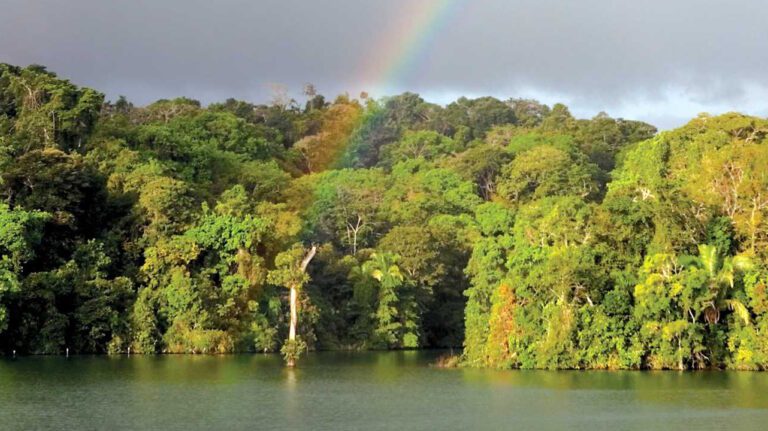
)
(659, 60)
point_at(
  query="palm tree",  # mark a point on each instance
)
(721, 273)
(383, 267)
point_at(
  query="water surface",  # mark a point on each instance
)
(357, 391)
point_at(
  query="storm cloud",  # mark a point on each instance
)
(658, 60)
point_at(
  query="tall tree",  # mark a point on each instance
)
(291, 272)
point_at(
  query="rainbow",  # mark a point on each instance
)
(405, 42)
(400, 49)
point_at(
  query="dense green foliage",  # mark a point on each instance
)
(531, 238)
(663, 267)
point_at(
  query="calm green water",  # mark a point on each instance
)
(357, 391)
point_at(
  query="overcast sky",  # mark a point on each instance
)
(661, 61)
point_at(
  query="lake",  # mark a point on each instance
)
(356, 391)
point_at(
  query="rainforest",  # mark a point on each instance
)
(506, 230)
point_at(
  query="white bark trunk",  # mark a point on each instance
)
(294, 313)
(295, 301)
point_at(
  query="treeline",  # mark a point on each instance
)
(664, 268)
(530, 238)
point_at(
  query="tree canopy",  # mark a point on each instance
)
(510, 228)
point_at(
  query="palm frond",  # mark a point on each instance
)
(377, 274)
(740, 309)
(709, 258)
(743, 263)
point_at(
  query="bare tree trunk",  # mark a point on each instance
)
(295, 301)
(354, 243)
(294, 313)
(354, 230)
(294, 320)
